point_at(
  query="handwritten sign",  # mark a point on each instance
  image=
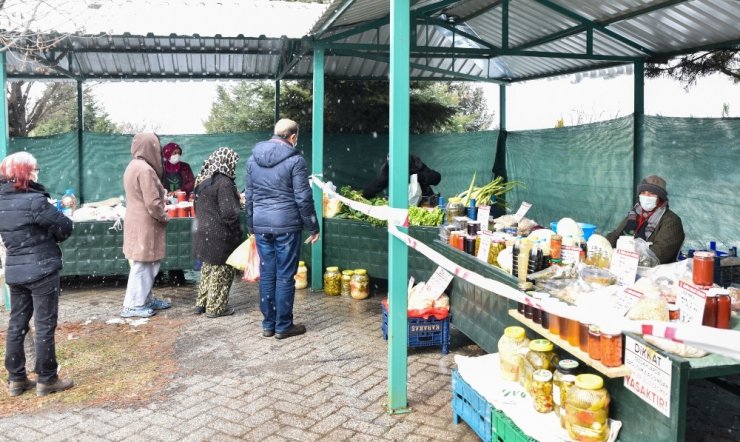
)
(690, 300)
(484, 247)
(624, 266)
(484, 212)
(522, 211)
(626, 299)
(570, 254)
(651, 375)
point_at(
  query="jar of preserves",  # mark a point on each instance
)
(710, 309)
(542, 390)
(563, 379)
(594, 342)
(454, 208)
(332, 281)
(553, 319)
(703, 271)
(539, 357)
(611, 347)
(511, 349)
(583, 336)
(360, 284)
(724, 309)
(587, 409)
(301, 276)
(346, 280)
(674, 313)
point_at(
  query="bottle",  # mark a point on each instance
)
(301, 276)
(69, 202)
(532, 262)
(515, 257)
(441, 204)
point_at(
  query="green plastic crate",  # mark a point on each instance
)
(505, 430)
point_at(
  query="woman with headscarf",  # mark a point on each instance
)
(216, 231)
(177, 174)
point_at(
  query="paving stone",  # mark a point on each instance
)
(329, 422)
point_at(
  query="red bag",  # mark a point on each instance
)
(252, 270)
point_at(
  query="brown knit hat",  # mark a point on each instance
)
(653, 184)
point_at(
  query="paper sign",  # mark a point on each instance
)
(438, 282)
(522, 211)
(483, 213)
(626, 299)
(570, 254)
(651, 376)
(624, 266)
(690, 300)
(484, 247)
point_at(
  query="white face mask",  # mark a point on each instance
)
(648, 203)
(174, 159)
(34, 177)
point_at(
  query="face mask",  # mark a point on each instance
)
(648, 203)
(34, 177)
(174, 159)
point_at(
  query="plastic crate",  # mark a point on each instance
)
(724, 276)
(504, 429)
(471, 407)
(423, 332)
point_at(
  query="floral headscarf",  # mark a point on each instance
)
(223, 160)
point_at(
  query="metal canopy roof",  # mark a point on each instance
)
(480, 40)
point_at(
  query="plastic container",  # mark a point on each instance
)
(587, 409)
(470, 406)
(69, 202)
(511, 349)
(430, 332)
(539, 357)
(360, 284)
(346, 282)
(542, 390)
(301, 276)
(703, 273)
(332, 281)
(563, 378)
(611, 347)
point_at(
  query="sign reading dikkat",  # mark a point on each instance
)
(650, 377)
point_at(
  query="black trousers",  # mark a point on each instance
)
(40, 299)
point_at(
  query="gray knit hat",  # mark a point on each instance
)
(653, 184)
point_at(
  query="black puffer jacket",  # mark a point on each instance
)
(278, 195)
(30, 228)
(216, 229)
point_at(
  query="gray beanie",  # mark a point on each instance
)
(653, 184)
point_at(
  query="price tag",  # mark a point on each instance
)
(522, 211)
(690, 301)
(570, 254)
(624, 266)
(626, 299)
(483, 213)
(484, 247)
(438, 282)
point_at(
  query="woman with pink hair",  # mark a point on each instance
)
(31, 229)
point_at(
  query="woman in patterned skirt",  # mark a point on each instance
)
(216, 231)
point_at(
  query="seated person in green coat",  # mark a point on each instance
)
(653, 221)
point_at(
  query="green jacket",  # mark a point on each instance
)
(666, 239)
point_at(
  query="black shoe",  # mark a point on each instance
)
(294, 330)
(58, 385)
(16, 388)
(198, 310)
(268, 333)
(228, 312)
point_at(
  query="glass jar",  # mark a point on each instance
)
(553, 321)
(301, 276)
(674, 313)
(574, 336)
(583, 336)
(724, 309)
(539, 357)
(587, 409)
(346, 279)
(563, 379)
(611, 347)
(703, 272)
(511, 349)
(536, 312)
(332, 281)
(594, 342)
(454, 208)
(360, 284)
(542, 390)
(710, 310)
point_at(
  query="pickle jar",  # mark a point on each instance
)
(511, 349)
(539, 357)
(346, 282)
(360, 284)
(332, 281)
(542, 390)
(454, 208)
(587, 409)
(562, 380)
(301, 276)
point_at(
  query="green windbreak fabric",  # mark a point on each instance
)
(57, 158)
(700, 160)
(581, 172)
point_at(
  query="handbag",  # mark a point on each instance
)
(252, 269)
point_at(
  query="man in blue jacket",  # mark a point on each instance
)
(279, 205)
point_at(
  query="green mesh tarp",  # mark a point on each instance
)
(57, 159)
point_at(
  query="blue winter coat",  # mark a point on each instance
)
(278, 194)
(30, 228)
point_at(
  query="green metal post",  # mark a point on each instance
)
(317, 164)
(80, 129)
(4, 149)
(277, 100)
(639, 130)
(502, 107)
(398, 198)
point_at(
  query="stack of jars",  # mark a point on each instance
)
(541, 356)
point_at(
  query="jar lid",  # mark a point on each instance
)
(301, 264)
(704, 254)
(540, 345)
(717, 291)
(514, 332)
(568, 366)
(360, 271)
(673, 308)
(589, 382)
(611, 331)
(348, 272)
(332, 269)
(594, 329)
(455, 199)
(542, 375)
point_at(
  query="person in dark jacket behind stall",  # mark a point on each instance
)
(177, 174)
(279, 205)
(426, 177)
(31, 229)
(216, 231)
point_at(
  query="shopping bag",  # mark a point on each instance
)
(238, 258)
(252, 269)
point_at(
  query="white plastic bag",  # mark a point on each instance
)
(414, 191)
